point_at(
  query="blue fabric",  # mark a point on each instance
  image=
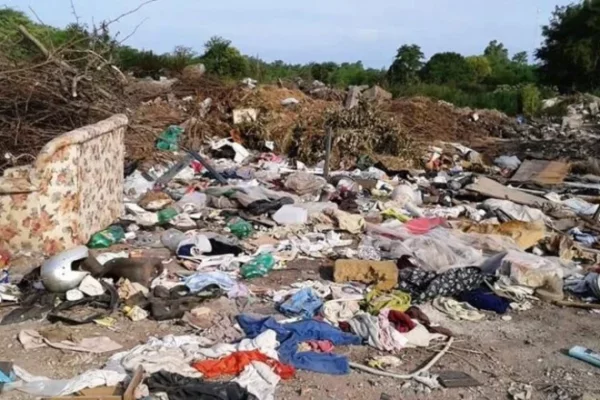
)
(305, 303)
(485, 300)
(201, 280)
(290, 335)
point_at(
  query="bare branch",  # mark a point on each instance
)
(134, 30)
(74, 12)
(112, 21)
(36, 16)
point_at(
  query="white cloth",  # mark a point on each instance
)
(172, 354)
(336, 311)
(31, 339)
(259, 380)
(40, 386)
(379, 334)
(266, 343)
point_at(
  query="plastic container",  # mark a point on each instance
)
(240, 228)
(107, 237)
(258, 267)
(166, 215)
(171, 239)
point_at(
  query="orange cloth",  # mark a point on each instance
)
(235, 363)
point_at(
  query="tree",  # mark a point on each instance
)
(570, 53)
(447, 68)
(520, 58)
(496, 53)
(406, 66)
(480, 67)
(223, 59)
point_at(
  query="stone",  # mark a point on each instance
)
(352, 98)
(376, 93)
(194, 71)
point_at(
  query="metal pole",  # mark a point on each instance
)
(327, 153)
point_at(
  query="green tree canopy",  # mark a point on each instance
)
(570, 53)
(480, 67)
(406, 66)
(448, 68)
(221, 58)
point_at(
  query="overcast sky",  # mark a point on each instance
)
(316, 30)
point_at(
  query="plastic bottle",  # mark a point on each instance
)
(171, 238)
(107, 237)
(258, 267)
(166, 215)
(240, 227)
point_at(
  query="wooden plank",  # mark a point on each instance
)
(542, 172)
(490, 188)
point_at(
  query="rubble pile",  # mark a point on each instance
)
(427, 119)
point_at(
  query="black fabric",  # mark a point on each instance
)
(259, 207)
(426, 285)
(87, 309)
(180, 387)
(175, 307)
(220, 248)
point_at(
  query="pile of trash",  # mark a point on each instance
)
(470, 239)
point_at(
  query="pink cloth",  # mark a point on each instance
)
(420, 226)
(324, 346)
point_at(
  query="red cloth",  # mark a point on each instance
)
(235, 363)
(401, 321)
(324, 346)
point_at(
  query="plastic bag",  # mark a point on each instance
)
(169, 139)
(240, 227)
(166, 215)
(514, 211)
(508, 162)
(107, 237)
(258, 267)
(304, 183)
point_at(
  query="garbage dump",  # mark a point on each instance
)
(242, 262)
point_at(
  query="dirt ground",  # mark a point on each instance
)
(529, 349)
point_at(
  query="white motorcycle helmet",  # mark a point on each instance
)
(57, 272)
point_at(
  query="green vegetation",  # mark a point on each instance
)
(568, 60)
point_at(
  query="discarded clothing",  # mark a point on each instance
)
(424, 285)
(266, 343)
(180, 387)
(235, 363)
(457, 310)
(31, 339)
(324, 346)
(378, 300)
(335, 311)
(259, 207)
(378, 332)
(259, 379)
(171, 353)
(485, 300)
(416, 314)
(202, 280)
(401, 321)
(290, 335)
(304, 302)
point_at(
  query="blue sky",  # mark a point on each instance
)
(316, 30)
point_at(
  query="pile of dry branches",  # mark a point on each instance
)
(61, 90)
